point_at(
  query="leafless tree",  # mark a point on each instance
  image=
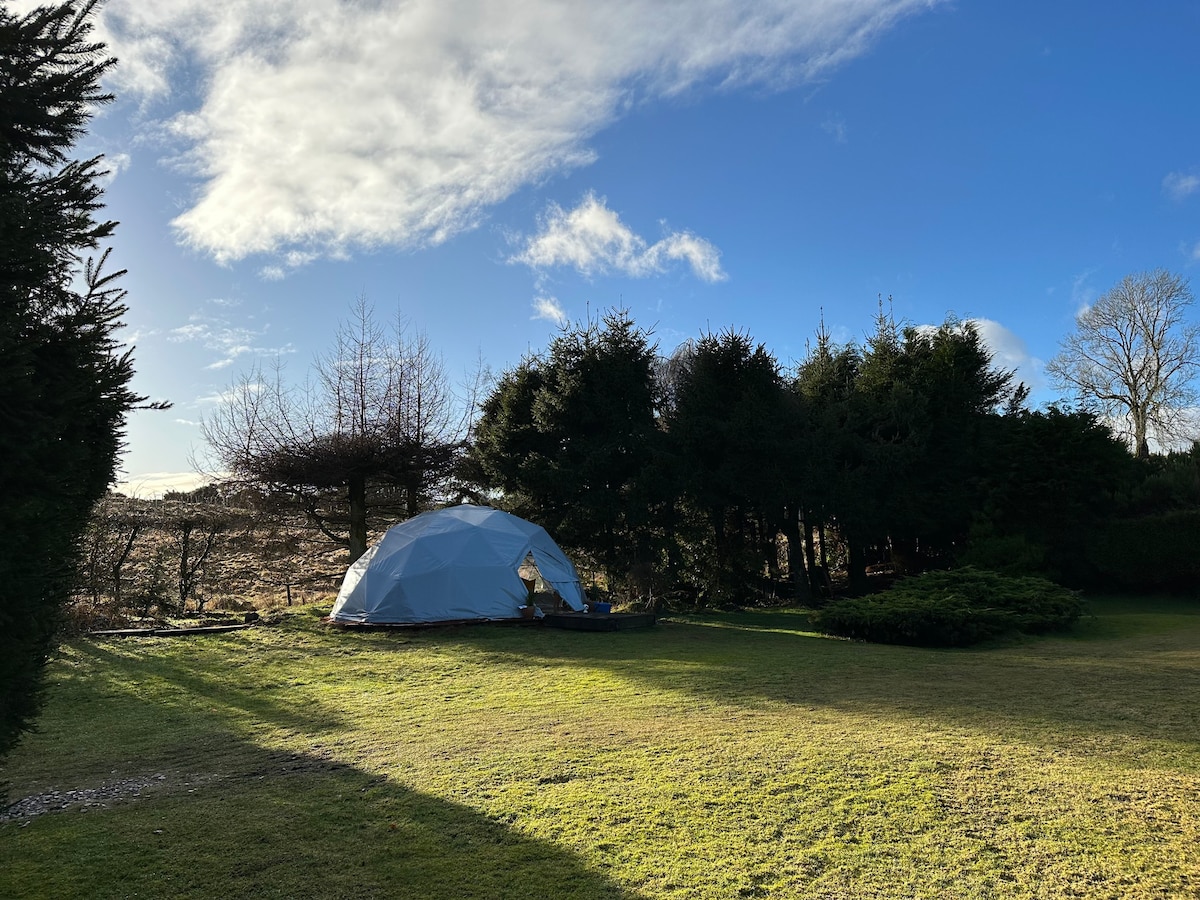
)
(106, 548)
(1134, 359)
(375, 423)
(194, 533)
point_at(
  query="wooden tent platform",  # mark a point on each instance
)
(575, 621)
(167, 632)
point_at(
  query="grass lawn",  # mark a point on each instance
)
(715, 756)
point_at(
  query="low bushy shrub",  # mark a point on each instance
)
(953, 609)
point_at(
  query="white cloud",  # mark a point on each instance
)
(317, 127)
(841, 335)
(592, 239)
(229, 341)
(153, 485)
(550, 309)
(1178, 185)
(1194, 253)
(113, 165)
(1010, 352)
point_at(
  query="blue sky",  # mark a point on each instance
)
(490, 167)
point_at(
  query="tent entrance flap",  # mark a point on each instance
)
(567, 590)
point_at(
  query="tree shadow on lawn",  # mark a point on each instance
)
(286, 825)
(118, 709)
(1102, 682)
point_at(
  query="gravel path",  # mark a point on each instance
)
(89, 798)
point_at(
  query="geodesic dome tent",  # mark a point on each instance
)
(453, 564)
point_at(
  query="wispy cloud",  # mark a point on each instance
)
(138, 334)
(1083, 294)
(226, 396)
(592, 239)
(835, 127)
(320, 128)
(550, 309)
(229, 341)
(1179, 185)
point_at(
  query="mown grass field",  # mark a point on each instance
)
(718, 756)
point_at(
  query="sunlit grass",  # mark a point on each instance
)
(713, 756)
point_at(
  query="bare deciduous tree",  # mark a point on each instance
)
(1134, 358)
(194, 534)
(106, 548)
(376, 421)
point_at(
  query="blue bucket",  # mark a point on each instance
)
(602, 607)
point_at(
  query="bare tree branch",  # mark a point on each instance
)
(375, 415)
(1134, 359)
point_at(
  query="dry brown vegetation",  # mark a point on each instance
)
(153, 560)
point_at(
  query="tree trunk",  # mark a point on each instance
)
(184, 582)
(905, 558)
(120, 561)
(357, 496)
(810, 557)
(791, 533)
(716, 515)
(671, 538)
(412, 494)
(856, 566)
(1141, 444)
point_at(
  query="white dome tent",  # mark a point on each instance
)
(452, 565)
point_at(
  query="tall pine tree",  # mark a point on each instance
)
(64, 379)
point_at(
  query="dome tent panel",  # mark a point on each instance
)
(452, 564)
(353, 591)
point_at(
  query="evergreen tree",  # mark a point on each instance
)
(64, 380)
(728, 428)
(824, 448)
(570, 438)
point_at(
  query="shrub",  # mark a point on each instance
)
(1149, 553)
(953, 609)
(1007, 554)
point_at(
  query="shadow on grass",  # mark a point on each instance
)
(220, 688)
(286, 825)
(1110, 678)
(182, 711)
